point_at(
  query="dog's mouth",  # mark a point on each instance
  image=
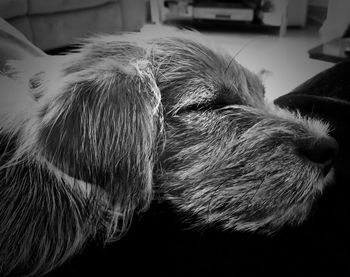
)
(327, 178)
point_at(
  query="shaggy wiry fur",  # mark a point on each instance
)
(88, 137)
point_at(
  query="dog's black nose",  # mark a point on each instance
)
(322, 151)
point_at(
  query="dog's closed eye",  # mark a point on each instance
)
(222, 99)
(205, 106)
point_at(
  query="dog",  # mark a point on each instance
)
(88, 139)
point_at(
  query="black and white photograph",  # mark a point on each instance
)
(174, 138)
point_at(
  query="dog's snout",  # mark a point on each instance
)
(323, 152)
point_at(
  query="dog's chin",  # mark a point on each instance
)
(265, 220)
(294, 217)
(299, 214)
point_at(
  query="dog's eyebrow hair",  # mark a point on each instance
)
(225, 95)
(228, 99)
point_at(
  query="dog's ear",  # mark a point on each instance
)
(80, 156)
(99, 118)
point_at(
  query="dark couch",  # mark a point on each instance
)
(57, 23)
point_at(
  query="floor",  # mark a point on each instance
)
(285, 59)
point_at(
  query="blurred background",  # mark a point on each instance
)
(286, 41)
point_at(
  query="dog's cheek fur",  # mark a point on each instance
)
(228, 170)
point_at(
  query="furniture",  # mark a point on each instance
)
(337, 21)
(58, 23)
(278, 13)
(14, 45)
(334, 51)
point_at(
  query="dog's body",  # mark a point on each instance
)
(87, 139)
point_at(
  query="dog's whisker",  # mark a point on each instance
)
(256, 191)
(243, 48)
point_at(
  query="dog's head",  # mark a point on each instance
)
(128, 116)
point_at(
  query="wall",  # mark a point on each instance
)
(318, 10)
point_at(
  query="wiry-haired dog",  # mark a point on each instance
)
(88, 137)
